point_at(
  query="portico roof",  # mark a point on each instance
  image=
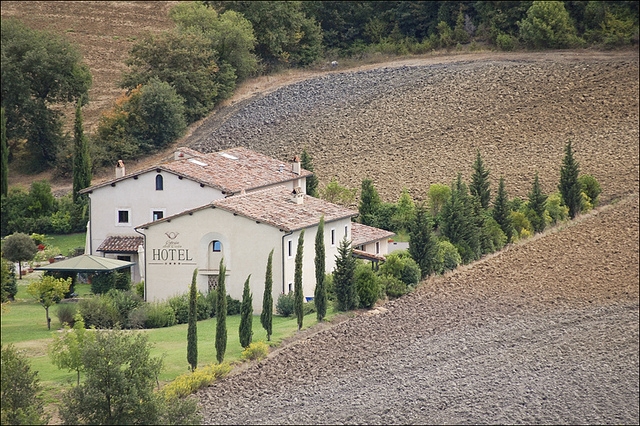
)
(364, 234)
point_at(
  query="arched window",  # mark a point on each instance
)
(216, 246)
(159, 183)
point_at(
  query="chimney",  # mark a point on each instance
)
(179, 154)
(297, 196)
(295, 165)
(120, 169)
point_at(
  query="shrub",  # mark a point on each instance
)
(521, 225)
(189, 383)
(400, 265)
(393, 286)
(308, 308)
(506, 42)
(122, 280)
(124, 302)
(9, 281)
(556, 212)
(212, 300)
(591, 188)
(367, 285)
(448, 256)
(99, 312)
(159, 314)
(102, 282)
(330, 287)
(140, 289)
(548, 24)
(180, 306)
(284, 305)
(65, 313)
(138, 317)
(233, 306)
(255, 351)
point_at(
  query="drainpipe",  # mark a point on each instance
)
(283, 275)
(146, 277)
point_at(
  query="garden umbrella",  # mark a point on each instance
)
(87, 263)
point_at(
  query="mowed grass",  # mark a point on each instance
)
(24, 325)
(66, 243)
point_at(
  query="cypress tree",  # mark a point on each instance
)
(423, 246)
(192, 330)
(312, 181)
(81, 160)
(369, 203)
(320, 292)
(479, 187)
(459, 224)
(246, 315)
(5, 155)
(344, 277)
(266, 317)
(298, 297)
(569, 186)
(537, 206)
(221, 313)
(501, 211)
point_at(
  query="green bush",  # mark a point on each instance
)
(138, 317)
(159, 314)
(212, 300)
(233, 306)
(122, 280)
(393, 287)
(367, 285)
(284, 305)
(330, 286)
(99, 312)
(448, 256)
(548, 24)
(180, 306)
(102, 282)
(308, 308)
(65, 313)
(124, 302)
(591, 188)
(400, 265)
(9, 281)
(556, 212)
(140, 289)
(506, 42)
(255, 351)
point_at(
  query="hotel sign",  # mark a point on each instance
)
(171, 253)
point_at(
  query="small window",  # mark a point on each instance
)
(346, 231)
(377, 247)
(290, 248)
(125, 258)
(217, 247)
(158, 214)
(159, 183)
(123, 216)
(290, 287)
(333, 237)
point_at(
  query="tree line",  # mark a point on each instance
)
(178, 76)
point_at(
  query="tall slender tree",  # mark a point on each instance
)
(501, 211)
(537, 206)
(344, 277)
(320, 292)
(479, 187)
(266, 317)
(369, 203)
(312, 181)
(569, 185)
(221, 314)
(81, 160)
(5, 155)
(458, 222)
(246, 315)
(298, 297)
(192, 329)
(423, 247)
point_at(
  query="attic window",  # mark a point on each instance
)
(229, 156)
(198, 162)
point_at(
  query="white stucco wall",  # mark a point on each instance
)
(245, 247)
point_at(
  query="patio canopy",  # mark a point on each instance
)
(86, 263)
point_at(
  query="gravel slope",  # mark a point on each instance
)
(543, 332)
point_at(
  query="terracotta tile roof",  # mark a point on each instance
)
(120, 244)
(274, 206)
(230, 171)
(364, 234)
(360, 254)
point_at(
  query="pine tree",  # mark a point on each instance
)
(320, 292)
(312, 181)
(537, 206)
(423, 247)
(192, 330)
(246, 315)
(81, 160)
(5, 155)
(221, 313)
(501, 211)
(266, 317)
(344, 277)
(569, 186)
(298, 301)
(369, 203)
(458, 222)
(479, 187)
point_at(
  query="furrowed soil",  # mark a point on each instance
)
(546, 331)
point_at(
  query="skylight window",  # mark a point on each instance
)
(198, 162)
(229, 156)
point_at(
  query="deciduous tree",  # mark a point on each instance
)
(19, 247)
(66, 349)
(266, 317)
(48, 291)
(297, 282)
(246, 315)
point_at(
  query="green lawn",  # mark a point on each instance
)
(24, 325)
(66, 243)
